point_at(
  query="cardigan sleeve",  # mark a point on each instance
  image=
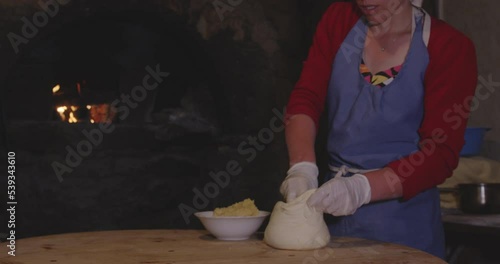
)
(309, 93)
(450, 83)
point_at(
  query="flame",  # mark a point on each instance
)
(56, 89)
(102, 113)
(67, 113)
(72, 118)
(99, 113)
(62, 109)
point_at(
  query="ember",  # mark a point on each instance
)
(95, 113)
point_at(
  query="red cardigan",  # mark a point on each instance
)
(450, 82)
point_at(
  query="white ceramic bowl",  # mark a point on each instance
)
(231, 227)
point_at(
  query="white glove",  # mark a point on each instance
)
(341, 195)
(300, 177)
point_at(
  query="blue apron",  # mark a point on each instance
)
(368, 128)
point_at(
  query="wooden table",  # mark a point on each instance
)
(196, 246)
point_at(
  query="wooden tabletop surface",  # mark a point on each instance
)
(196, 246)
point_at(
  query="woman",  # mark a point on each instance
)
(393, 79)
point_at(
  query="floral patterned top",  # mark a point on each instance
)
(381, 78)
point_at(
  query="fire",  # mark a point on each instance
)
(100, 113)
(96, 113)
(72, 118)
(61, 110)
(67, 113)
(56, 89)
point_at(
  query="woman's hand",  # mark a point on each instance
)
(300, 178)
(303, 173)
(341, 195)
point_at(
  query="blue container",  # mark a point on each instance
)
(473, 140)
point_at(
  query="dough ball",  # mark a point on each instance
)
(296, 226)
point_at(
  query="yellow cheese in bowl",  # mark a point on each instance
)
(244, 208)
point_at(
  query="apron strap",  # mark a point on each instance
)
(343, 170)
(420, 12)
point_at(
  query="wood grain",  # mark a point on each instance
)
(197, 246)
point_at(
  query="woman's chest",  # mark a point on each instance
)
(380, 55)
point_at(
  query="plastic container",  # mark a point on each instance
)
(473, 140)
